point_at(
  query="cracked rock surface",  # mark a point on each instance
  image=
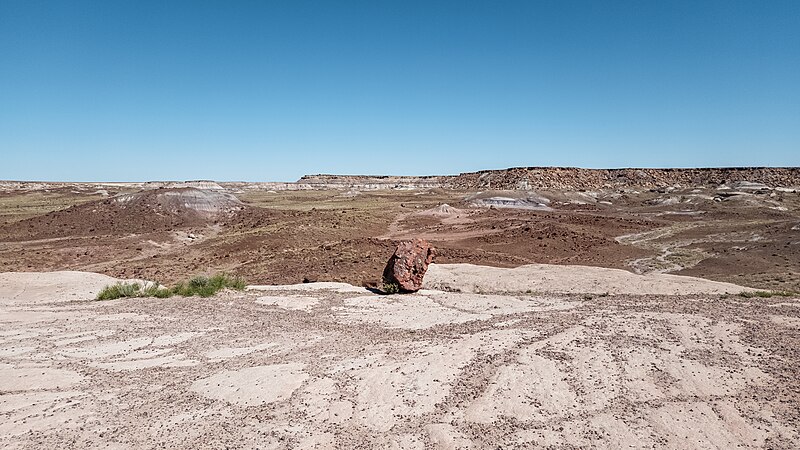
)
(328, 365)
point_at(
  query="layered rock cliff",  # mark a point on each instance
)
(575, 178)
(570, 178)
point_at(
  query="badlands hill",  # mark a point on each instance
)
(149, 210)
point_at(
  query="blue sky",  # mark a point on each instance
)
(271, 90)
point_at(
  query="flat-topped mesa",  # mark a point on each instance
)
(196, 184)
(567, 178)
(572, 178)
(516, 178)
(324, 181)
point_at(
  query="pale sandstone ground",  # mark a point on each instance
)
(326, 365)
(568, 280)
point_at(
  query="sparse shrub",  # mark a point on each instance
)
(390, 287)
(198, 286)
(158, 292)
(182, 289)
(163, 293)
(207, 286)
(199, 282)
(120, 290)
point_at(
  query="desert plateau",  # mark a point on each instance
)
(564, 308)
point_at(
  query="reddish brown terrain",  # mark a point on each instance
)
(686, 221)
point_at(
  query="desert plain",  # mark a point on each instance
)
(566, 308)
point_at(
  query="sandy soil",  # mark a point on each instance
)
(567, 280)
(324, 365)
(48, 287)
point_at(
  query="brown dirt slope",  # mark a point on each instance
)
(146, 211)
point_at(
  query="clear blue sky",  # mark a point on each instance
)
(260, 90)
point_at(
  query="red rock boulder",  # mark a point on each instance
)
(407, 266)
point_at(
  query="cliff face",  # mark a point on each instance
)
(556, 178)
(371, 181)
(574, 178)
(569, 178)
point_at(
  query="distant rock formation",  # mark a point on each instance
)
(509, 199)
(786, 179)
(370, 182)
(566, 178)
(197, 184)
(570, 178)
(147, 211)
(181, 201)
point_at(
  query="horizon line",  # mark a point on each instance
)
(299, 180)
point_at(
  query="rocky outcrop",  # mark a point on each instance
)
(564, 178)
(181, 201)
(147, 211)
(370, 182)
(407, 266)
(570, 178)
(514, 179)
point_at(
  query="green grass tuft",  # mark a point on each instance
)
(390, 287)
(198, 286)
(207, 286)
(120, 290)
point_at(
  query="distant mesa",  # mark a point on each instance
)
(572, 178)
(525, 179)
(564, 178)
(196, 184)
(369, 182)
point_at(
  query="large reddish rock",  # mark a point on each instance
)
(408, 265)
